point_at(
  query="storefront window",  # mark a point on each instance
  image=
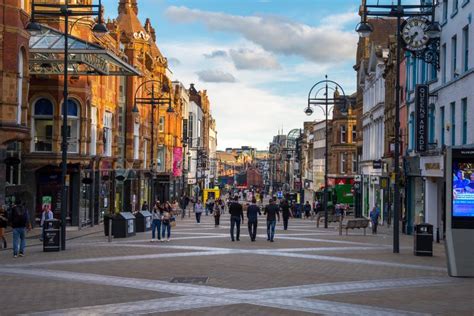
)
(43, 125)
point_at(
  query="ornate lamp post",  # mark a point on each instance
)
(326, 104)
(156, 93)
(49, 10)
(421, 37)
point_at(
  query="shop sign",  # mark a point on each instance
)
(432, 166)
(357, 178)
(421, 116)
(374, 180)
(377, 164)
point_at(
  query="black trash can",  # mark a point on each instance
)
(51, 235)
(143, 221)
(123, 225)
(423, 242)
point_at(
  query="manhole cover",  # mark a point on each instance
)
(190, 280)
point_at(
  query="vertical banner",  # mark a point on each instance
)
(177, 161)
(421, 117)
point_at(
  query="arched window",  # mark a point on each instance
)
(43, 125)
(72, 126)
(20, 86)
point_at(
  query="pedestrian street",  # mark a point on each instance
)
(202, 272)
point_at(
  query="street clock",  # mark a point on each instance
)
(414, 33)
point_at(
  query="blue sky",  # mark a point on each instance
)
(257, 59)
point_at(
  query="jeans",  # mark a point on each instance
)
(19, 240)
(234, 221)
(164, 228)
(271, 229)
(252, 224)
(217, 219)
(374, 227)
(285, 222)
(155, 225)
(198, 217)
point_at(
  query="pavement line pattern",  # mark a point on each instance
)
(196, 296)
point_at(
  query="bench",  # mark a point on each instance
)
(332, 218)
(354, 223)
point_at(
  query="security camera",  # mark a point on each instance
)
(308, 111)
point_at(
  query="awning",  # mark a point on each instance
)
(47, 56)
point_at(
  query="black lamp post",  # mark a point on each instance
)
(48, 10)
(429, 54)
(155, 99)
(338, 101)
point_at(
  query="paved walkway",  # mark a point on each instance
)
(201, 272)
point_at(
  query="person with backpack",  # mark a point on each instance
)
(3, 225)
(20, 223)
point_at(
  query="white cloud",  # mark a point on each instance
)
(215, 76)
(216, 53)
(251, 59)
(318, 44)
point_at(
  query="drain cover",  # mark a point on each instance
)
(190, 280)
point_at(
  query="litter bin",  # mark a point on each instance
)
(123, 225)
(423, 243)
(51, 235)
(143, 221)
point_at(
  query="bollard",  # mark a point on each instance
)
(110, 230)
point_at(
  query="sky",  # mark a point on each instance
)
(257, 59)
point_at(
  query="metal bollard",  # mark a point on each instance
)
(110, 230)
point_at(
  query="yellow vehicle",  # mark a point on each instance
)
(211, 193)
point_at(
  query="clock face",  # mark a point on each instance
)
(414, 33)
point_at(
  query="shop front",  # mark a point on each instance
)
(414, 202)
(432, 171)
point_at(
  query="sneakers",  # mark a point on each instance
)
(162, 240)
(152, 240)
(15, 256)
(22, 254)
(168, 239)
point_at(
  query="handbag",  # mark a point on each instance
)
(173, 223)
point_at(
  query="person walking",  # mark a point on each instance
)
(156, 222)
(166, 222)
(145, 206)
(374, 218)
(20, 223)
(272, 211)
(183, 203)
(198, 209)
(285, 212)
(307, 210)
(252, 219)
(218, 209)
(236, 213)
(3, 225)
(45, 215)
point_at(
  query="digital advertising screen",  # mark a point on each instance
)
(463, 189)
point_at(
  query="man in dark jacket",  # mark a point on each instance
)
(236, 213)
(285, 212)
(252, 215)
(272, 211)
(20, 223)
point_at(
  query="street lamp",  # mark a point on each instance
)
(336, 101)
(433, 30)
(56, 11)
(155, 99)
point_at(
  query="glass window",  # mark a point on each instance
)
(455, 6)
(354, 163)
(442, 127)
(108, 134)
(93, 143)
(20, 85)
(73, 123)
(445, 10)
(136, 140)
(145, 153)
(431, 125)
(412, 131)
(343, 134)
(190, 127)
(454, 52)
(342, 161)
(465, 44)
(464, 120)
(354, 133)
(443, 63)
(161, 126)
(453, 123)
(43, 125)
